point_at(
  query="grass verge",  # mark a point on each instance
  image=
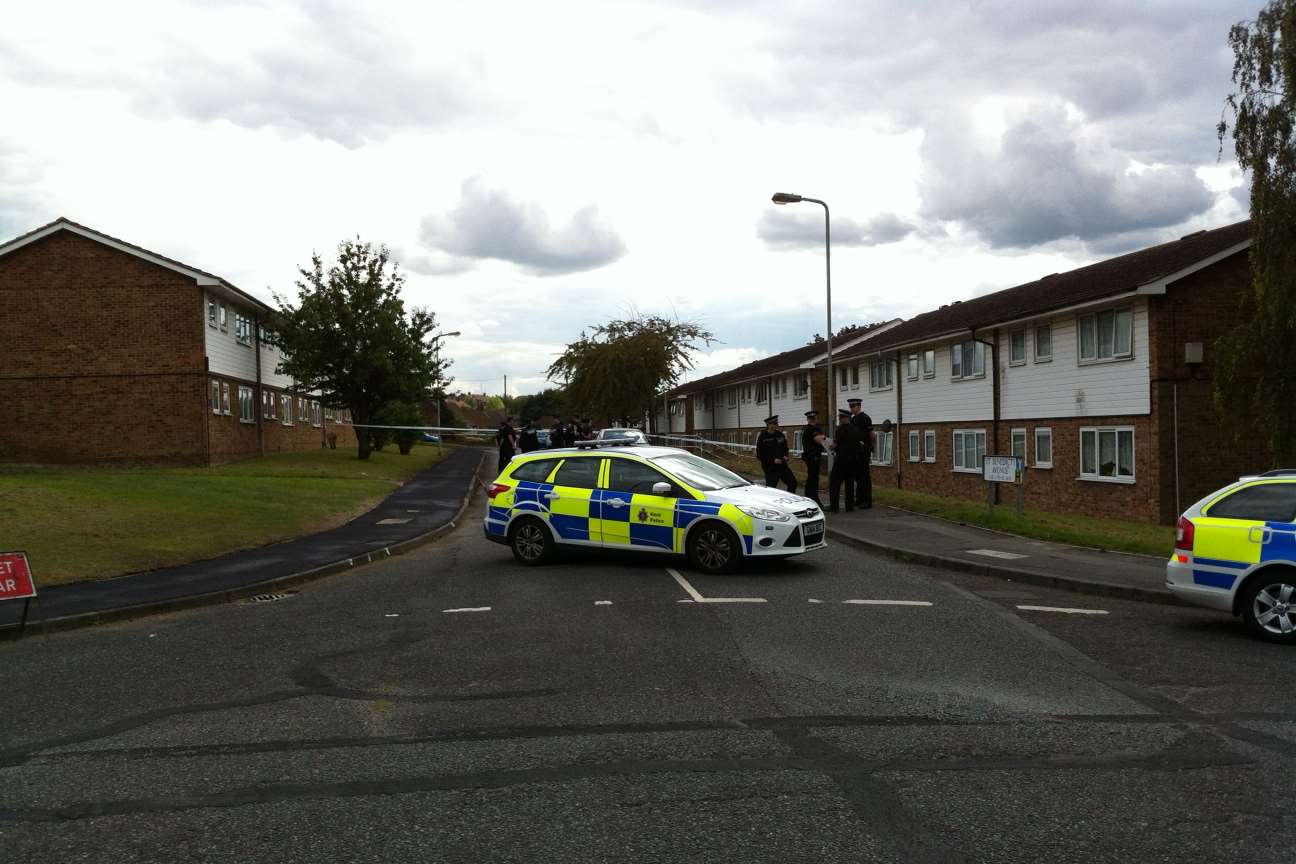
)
(1076, 530)
(79, 523)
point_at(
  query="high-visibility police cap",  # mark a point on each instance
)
(773, 418)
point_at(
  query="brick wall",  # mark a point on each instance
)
(230, 438)
(1199, 308)
(102, 356)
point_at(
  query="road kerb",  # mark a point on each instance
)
(215, 598)
(1015, 574)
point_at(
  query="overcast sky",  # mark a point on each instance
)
(541, 167)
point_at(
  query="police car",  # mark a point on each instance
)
(1235, 550)
(651, 499)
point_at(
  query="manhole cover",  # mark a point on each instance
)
(270, 598)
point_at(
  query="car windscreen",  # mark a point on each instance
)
(699, 473)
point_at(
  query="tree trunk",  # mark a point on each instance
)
(361, 416)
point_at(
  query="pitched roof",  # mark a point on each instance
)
(1142, 269)
(202, 277)
(776, 362)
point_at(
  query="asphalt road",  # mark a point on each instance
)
(585, 712)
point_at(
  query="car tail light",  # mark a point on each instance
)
(1184, 534)
(495, 489)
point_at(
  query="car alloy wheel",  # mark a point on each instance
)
(714, 550)
(1274, 609)
(530, 543)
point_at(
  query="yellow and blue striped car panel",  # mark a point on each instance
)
(1226, 548)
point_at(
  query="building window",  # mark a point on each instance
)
(242, 329)
(247, 405)
(929, 363)
(674, 408)
(762, 392)
(913, 367)
(746, 393)
(880, 375)
(1017, 348)
(1107, 454)
(967, 360)
(881, 454)
(1043, 343)
(223, 321)
(731, 397)
(215, 397)
(285, 403)
(211, 313)
(797, 438)
(1019, 444)
(855, 376)
(842, 377)
(780, 386)
(929, 445)
(914, 455)
(1107, 335)
(225, 398)
(969, 449)
(706, 402)
(802, 383)
(1043, 448)
(316, 417)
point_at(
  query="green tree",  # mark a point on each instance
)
(350, 337)
(617, 370)
(550, 402)
(1254, 384)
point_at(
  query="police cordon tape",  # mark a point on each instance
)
(685, 440)
(690, 440)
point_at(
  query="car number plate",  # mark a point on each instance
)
(814, 530)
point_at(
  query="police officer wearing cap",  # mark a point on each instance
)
(863, 479)
(812, 451)
(772, 451)
(846, 446)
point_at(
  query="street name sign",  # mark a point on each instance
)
(1002, 469)
(15, 577)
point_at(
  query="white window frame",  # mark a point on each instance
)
(286, 406)
(1042, 358)
(211, 312)
(929, 368)
(1097, 356)
(1013, 335)
(957, 444)
(762, 392)
(801, 385)
(883, 443)
(914, 454)
(855, 377)
(929, 445)
(1048, 432)
(225, 398)
(317, 417)
(215, 397)
(881, 376)
(958, 350)
(731, 397)
(1013, 435)
(911, 364)
(1098, 477)
(247, 404)
(224, 320)
(746, 394)
(843, 379)
(796, 440)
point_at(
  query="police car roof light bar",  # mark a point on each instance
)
(605, 442)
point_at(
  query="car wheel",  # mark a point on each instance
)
(1269, 606)
(530, 542)
(714, 548)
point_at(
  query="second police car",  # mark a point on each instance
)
(651, 499)
(1235, 550)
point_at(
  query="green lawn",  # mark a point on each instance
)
(1113, 534)
(79, 523)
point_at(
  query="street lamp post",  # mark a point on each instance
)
(436, 341)
(786, 198)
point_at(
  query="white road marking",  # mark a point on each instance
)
(602, 602)
(469, 609)
(698, 598)
(392, 521)
(812, 600)
(392, 615)
(995, 553)
(887, 602)
(1064, 609)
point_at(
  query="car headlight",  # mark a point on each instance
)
(764, 513)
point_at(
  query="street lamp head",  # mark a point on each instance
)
(785, 198)
(452, 333)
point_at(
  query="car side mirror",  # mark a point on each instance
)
(661, 489)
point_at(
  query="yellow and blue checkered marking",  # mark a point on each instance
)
(1242, 552)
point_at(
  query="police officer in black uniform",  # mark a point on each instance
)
(812, 451)
(846, 449)
(558, 435)
(506, 439)
(772, 451)
(863, 479)
(528, 440)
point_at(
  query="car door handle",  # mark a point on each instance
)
(615, 502)
(551, 496)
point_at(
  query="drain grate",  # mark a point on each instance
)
(270, 598)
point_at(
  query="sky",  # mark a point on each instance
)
(540, 168)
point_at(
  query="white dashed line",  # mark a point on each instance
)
(887, 602)
(1064, 609)
(698, 598)
(812, 600)
(469, 609)
(602, 602)
(392, 615)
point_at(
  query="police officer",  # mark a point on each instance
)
(528, 441)
(506, 440)
(772, 452)
(846, 446)
(812, 451)
(585, 432)
(558, 434)
(863, 479)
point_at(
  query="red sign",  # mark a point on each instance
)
(15, 577)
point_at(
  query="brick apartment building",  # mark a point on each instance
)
(1100, 378)
(115, 353)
